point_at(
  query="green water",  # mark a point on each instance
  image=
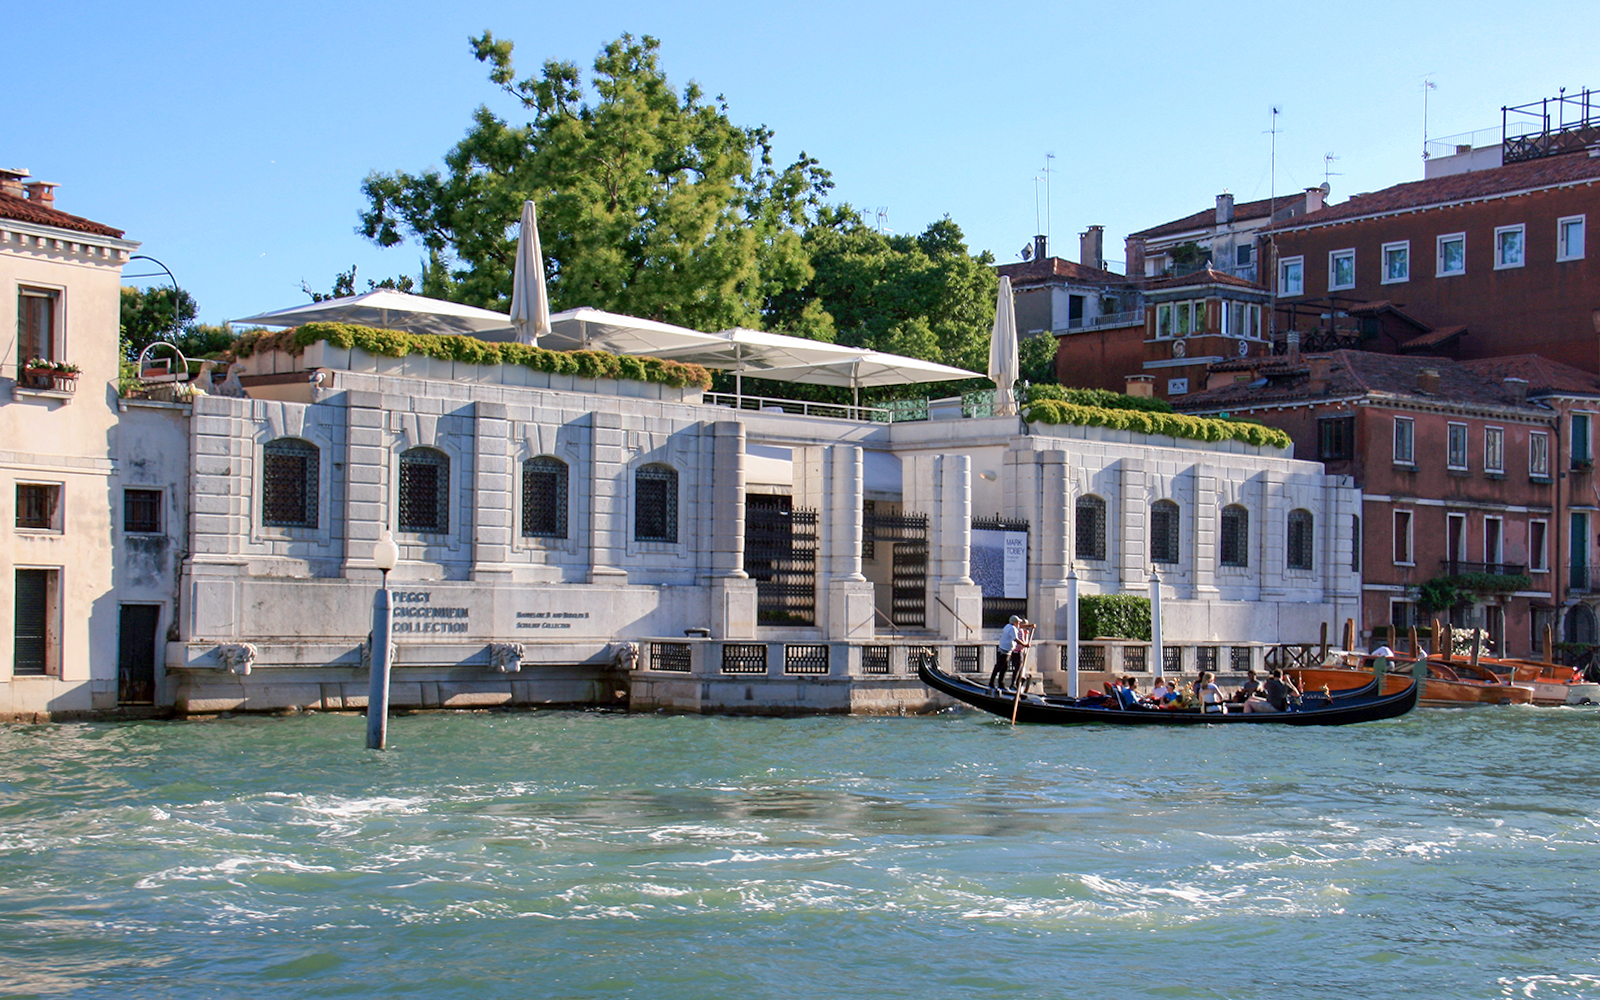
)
(1450, 854)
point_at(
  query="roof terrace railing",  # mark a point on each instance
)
(1128, 318)
(806, 407)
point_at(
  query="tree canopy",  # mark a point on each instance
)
(653, 203)
(167, 314)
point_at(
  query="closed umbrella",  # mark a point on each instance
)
(1004, 366)
(530, 304)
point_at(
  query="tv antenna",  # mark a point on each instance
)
(1049, 164)
(883, 218)
(1328, 160)
(1427, 85)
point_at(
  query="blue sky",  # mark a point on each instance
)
(232, 139)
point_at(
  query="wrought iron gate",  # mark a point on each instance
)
(780, 554)
(909, 603)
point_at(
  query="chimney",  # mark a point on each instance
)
(1293, 351)
(1135, 258)
(1142, 386)
(11, 181)
(42, 193)
(1040, 247)
(1428, 380)
(1320, 367)
(1092, 247)
(1224, 208)
(1314, 198)
(1516, 388)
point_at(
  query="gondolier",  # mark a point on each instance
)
(1008, 655)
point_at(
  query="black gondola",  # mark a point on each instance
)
(1361, 705)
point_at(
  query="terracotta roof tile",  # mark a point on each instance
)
(1546, 172)
(1032, 272)
(1207, 218)
(1542, 375)
(1205, 276)
(23, 210)
(1355, 373)
(1428, 341)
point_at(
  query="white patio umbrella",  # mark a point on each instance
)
(530, 305)
(741, 351)
(389, 310)
(868, 369)
(1004, 366)
(587, 329)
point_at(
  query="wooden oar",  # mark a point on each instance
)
(1022, 667)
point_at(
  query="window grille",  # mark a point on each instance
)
(544, 498)
(289, 484)
(1205, 658)
(780, 555)
(869, 525)
(918, 657)
(1163, 532)
(655, 504)
(1091, 528)
(1300, 539)
(1091, 658)
(673, 657)
(1136, 659)
(1172, 659)
(141, 511)
(967, 659)
(1235, 536)
(874, 659)
(744, 658)
(1239, 658)
(805, 659)
(36, 504)
(425, 491)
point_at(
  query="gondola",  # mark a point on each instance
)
(1344, 708)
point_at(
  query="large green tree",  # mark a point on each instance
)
(651, 202)
(167, 314)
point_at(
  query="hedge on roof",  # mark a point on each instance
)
(1055, 411)
(470, 350)
(1105, 398)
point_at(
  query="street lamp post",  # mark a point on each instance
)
(384, 555)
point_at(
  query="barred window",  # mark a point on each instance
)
(141, 510)
(1300, 549)
(1235, 549)
(544, 497)
(1163, 532)
(289, 483)
(655, 504)
(1091, 515)
(425, 491)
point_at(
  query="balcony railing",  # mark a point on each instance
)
(1129, 318)
(1579, 580)
(1455, 567)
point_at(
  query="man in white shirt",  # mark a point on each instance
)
(1013, 640)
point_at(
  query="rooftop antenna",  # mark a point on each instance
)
(1272, 208)
(883, 218)
(1427, 85)
(1036, 222)
(1049, 162)
(1327, 166)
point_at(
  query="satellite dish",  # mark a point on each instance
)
(1327, 189)
(1027, 252)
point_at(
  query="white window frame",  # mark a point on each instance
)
(1334, 256)
(1410, 550)
(1283, 276)
(1500, 261)
(1458, 552)
(1400, 246)
(1456, 458)
(1539, 455)
(1539, 559)
(1164, 329)
(1587, 452)
(1563, 249)
(1407, 456)
(1494, 457)
(1439, 269)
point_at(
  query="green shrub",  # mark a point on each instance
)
(1104, 398)
(470, 350)
(1119, 616)
(1177, 425)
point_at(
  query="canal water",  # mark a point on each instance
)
(1450, 854)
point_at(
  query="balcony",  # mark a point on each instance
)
(1132, 317)
(1457, 567)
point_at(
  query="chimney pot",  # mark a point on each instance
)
(1516, 388)
(41, 193)
(1224, 208)
(1428, 380)
(1134, 264)
(1319, 373)
(1091, 248)
(11, 181)
(1143, 386)
(1293, 345)
(1040, 247)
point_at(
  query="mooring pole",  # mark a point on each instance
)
(384, 555)
(1072, 632)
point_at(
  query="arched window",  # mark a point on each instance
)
(655, 504)
(1164, 532)
(1580, 626)
(1300, 537)
(1091, 515)
(1234, 549)
(289, 471)
(425, 491)
(544, 497)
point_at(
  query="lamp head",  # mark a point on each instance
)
(386, 553)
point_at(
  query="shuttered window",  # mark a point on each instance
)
(31, 638)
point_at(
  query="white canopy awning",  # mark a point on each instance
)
(867, 369)
(587, 329)
(387, 309)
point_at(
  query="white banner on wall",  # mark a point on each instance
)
(1000, 562)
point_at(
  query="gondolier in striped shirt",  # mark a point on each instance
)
(1008, 657)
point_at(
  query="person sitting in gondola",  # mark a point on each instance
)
(1211, 700)
(1251, 688)
(1274, 694)
(1158, 693)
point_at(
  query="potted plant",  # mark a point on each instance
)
(65, 376)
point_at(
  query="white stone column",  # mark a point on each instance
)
(847, 595)
(1050, 543)
(1071, 636)
(958, 604)
(1155, 625)
(733, 593)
